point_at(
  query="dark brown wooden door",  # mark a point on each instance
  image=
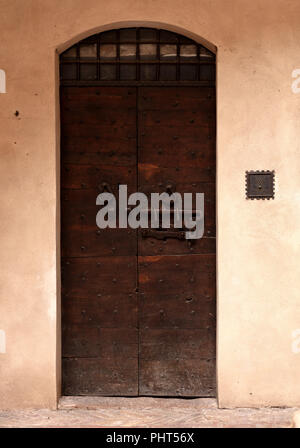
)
(99, 276)
(138, 307)
(177, 277)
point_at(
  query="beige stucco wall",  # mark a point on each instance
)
(258, 44)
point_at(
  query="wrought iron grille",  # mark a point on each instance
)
(137, 55)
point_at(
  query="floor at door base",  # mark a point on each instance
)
(111, 412)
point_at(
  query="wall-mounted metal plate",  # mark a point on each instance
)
(260, 184)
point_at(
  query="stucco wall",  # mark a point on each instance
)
(258, 44)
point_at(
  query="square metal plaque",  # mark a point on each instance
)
(260, 184)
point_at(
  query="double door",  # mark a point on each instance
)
(138, 305)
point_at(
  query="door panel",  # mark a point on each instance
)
(80, 235)
(110, 311)
(138, 307)
(177, 276)
(98, 126)
(177, 363)
(169, 246)
(99, 277)
(115, 375)
(93, 276)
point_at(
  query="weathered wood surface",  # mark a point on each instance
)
(138, 312)
(177, 278)
(99, 277)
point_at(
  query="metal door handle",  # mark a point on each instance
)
(161, 234)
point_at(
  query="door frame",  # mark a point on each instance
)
(60, 49)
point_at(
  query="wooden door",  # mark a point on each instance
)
(99, 276)
(138, 307)
(177, 277)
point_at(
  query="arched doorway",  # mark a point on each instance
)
(138, 307)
